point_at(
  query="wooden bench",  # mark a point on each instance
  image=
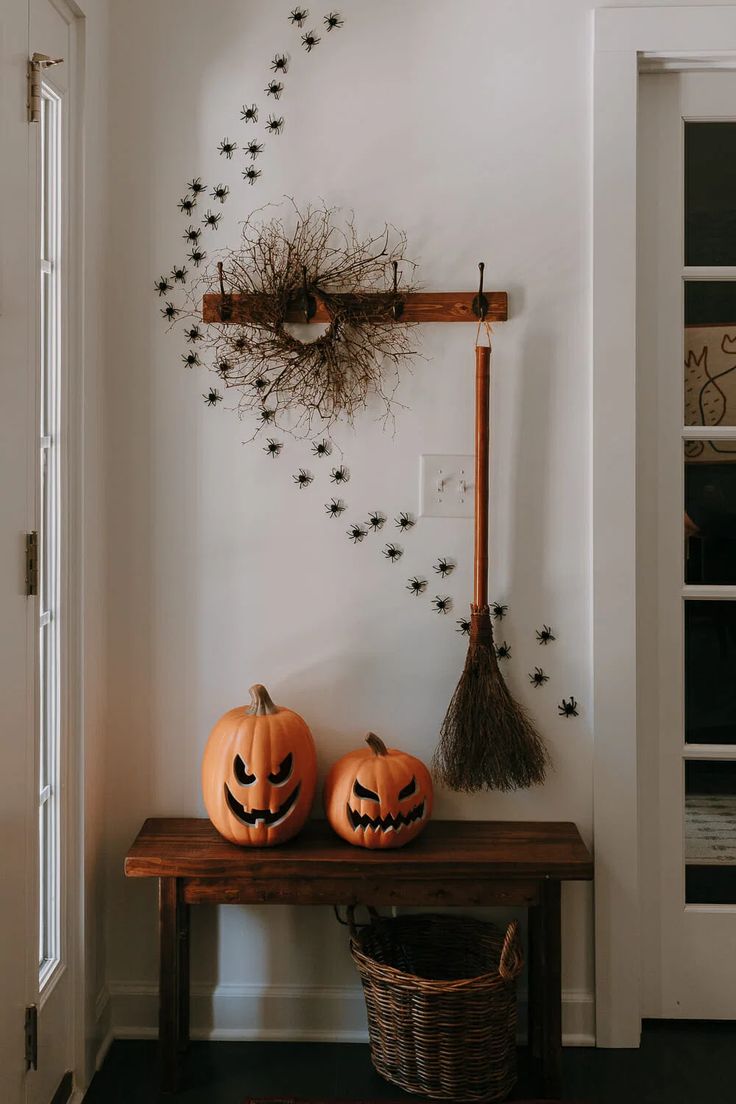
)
(463, 863)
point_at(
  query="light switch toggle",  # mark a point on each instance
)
(446, 485)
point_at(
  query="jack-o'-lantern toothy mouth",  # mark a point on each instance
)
(388, 823)
(251, 817)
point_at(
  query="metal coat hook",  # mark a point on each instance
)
(227, 304)
(397, 307)
(480, 302)
(306, 302)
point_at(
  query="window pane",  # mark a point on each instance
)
(710, 356)
(710, 832)
(710, 512)
(710, 193)
(710, 672)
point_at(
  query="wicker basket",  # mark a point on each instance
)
(441, 998)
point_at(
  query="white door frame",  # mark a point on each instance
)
(626, 41)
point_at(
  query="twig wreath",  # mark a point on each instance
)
(308, 256)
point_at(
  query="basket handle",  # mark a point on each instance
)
(349, 920)
(511, 962)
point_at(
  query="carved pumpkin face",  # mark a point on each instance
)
(378, 797)
(259, 773)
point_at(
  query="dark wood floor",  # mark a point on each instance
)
(678, 1063)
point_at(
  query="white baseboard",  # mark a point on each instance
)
(289, 1013)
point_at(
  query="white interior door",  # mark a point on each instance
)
(36, 789)
(687, 542)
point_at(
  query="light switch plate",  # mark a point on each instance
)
(446, 485)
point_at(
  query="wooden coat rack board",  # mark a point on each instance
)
(420, 306)
(417, 306)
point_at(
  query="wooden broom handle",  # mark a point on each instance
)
(482, 440)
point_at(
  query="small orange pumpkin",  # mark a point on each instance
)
(259, 772)
(378, 797)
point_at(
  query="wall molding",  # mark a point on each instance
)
(291, 1013)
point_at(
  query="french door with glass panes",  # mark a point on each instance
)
(686, 556)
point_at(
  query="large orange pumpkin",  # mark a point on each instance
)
(378, 797)
(259, 772)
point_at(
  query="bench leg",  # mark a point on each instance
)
(173, 987)
(545, 989)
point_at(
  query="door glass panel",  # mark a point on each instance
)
(710, 832)
(710, 355)
(710, 512)
(710, 193)
(710, 672)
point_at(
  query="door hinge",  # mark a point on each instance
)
(31, 1033)
(36, 66)
(31, 564)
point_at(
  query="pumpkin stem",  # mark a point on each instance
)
(376, 744)
(261, 704)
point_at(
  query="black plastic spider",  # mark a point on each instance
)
(280, 64)
(302, 478)
(274, 88)
(298, 16)
(538, 677)
(240, 343)
(221, 192)
(335, 507)
(321, 448)
(192, 234)
(251, 174)
(162, 285)
(356, 533)
(333, 20)
(376, 520)
(463, 626)
(310, 40)
(191, 359)
(260, 382)
(193, 334)
(404, 522)
(196, 186)
(196, 256)
(254, 148)
(392, 552)
(187, 205)
(499, 610)
(211, 220)
(212, 397)
(170, 312)
(568, 708)
(223, 369)
(503, 651)
(273, 448)
(340, 475)
(442, 604)
(444, 567)
(545, 634)
(249, 114)
(275, 124)
(417, 586)
(267, 415)
(228, 148)
(179, 274)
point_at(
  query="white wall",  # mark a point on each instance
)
(95, 137)
(468, 125)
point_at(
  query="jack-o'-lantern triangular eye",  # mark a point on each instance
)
(283, 774)
(241, 772)
(408, 790)
(361, 791)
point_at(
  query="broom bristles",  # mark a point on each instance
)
(487, 740)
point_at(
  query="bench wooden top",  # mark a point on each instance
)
(186, 847)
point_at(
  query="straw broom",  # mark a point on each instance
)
(487, 740)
